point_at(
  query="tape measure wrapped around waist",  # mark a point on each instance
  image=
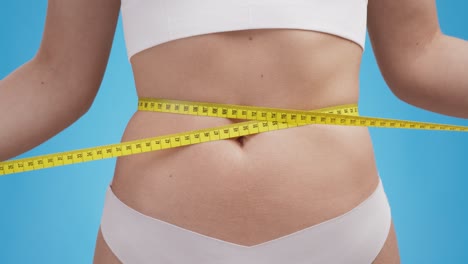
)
(262, 119)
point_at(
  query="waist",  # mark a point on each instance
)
(331, 146)
(338, 159)
(321, 157)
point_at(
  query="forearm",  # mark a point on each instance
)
(437, 80)
(36, 102)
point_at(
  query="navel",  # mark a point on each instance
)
(241, 140)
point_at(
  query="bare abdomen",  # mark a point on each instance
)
(273, 184)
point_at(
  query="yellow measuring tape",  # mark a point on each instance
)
(263, 119)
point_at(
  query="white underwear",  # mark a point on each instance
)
(355, 237)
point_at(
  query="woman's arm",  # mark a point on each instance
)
(421, 65)
(57, 86)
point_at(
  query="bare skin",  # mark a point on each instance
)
(253, 174)
(298, 177)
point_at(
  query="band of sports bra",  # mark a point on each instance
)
(262, 119)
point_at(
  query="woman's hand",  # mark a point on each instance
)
(421, 65)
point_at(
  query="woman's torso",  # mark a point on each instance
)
(273, 184)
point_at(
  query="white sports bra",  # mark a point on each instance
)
(147, 23)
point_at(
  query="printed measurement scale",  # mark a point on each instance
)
(262, 119)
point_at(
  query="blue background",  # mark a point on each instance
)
(52, 216)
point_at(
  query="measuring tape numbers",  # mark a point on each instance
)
(263, 119)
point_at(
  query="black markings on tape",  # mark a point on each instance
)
(246, 111)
